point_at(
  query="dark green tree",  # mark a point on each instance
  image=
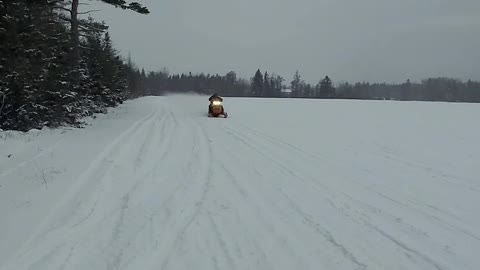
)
(266, 85)
(326, 88)
(76, 25)
(39, 86)
(257, 84)
(406, 90)
(296, 85)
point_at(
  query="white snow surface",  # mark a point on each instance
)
(280, 184)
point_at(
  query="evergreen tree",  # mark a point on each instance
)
(277, 85)
(296, 85)
(326, 88)
(307, 90)
(40, 87)
(230, 83)
(406, 90)
(76, 24)
(266, 85)
(257, 84)
(31, 58)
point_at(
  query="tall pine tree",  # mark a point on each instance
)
(326, 88)
(296, 85)
(257, 84)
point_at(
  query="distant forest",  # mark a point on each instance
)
(275, 86)
(57, 65)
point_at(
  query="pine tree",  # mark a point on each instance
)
(277, 82)
(307, 90)
(266, 85)
(257, 84)
(230, 83)
(76, 24)
(326, 88)
(406, 89)
(296, 85)
(39, 85)
(32, 59)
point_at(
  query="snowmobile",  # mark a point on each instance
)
(215, 109)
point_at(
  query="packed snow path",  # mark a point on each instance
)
(280, 184)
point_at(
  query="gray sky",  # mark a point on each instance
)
(349, 40)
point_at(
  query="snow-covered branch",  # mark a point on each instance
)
(88, 12)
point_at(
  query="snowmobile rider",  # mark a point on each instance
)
(214, 97)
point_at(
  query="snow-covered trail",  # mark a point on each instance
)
(172, 189)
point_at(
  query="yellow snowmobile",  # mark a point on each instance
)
(215, 109)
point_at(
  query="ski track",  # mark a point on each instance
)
(177, 190)
(301, 155)
(258, 146)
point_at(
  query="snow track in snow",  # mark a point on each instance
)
(157, 185)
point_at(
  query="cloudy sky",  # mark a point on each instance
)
(349, 40)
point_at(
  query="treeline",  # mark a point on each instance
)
(275, 86)
(432, 89)
(159, 83)
(260, 85)
(56, 67)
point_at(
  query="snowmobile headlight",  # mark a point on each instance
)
(216, 102)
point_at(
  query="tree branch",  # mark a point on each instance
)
(64, 9)
(88, 12)
(86, 27)
(85, 48)
(52, 3)
(65, 19)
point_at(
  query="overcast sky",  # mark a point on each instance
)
(349, 40)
